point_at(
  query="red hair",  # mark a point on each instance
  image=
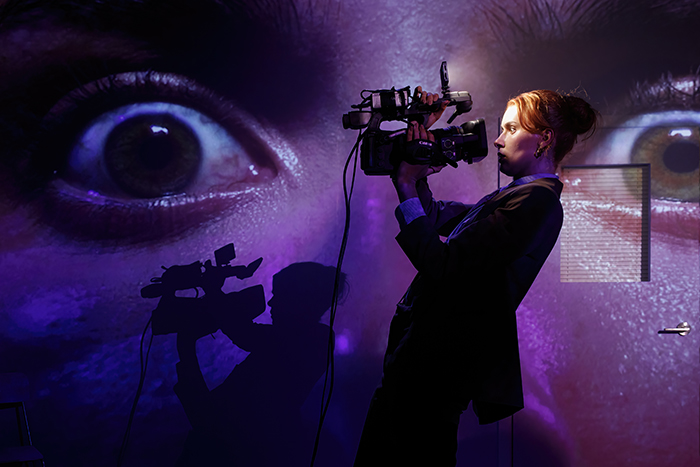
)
(567, 117)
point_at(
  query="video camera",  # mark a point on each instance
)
(382, 150)
(200, 274)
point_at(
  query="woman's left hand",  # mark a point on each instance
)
(430, 98)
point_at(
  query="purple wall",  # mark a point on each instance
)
(261, 90)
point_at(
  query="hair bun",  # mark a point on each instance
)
(583, 117)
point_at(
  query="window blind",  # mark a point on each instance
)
(606, 232)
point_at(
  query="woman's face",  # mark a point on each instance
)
(516, 146)
(259, 91)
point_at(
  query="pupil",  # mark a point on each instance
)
(682, 157)
(152, 155)
(157, 151)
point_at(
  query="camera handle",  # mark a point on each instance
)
(461, 107)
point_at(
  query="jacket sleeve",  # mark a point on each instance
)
(192, 391)
(442, 215)
(515, 227)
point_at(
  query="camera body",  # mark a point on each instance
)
(382, 151)
(205, 275)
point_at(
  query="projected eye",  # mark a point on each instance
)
(141, 156)
(669, 141)
(150, 150)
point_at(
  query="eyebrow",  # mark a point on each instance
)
(102, 14)
(198, 38)
(571, 42)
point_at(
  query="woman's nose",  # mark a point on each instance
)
(499, 142)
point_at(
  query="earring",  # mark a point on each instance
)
(540, 150)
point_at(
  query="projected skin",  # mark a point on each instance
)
(258, 92)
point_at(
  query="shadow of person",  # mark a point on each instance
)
(253, 418)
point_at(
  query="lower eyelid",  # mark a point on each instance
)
(85, 216)
(676, 218)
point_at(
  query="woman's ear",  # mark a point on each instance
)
(547, 137)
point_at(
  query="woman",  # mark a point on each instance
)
(453, 338)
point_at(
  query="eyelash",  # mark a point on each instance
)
(664, 94)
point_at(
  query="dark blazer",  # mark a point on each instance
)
(456, 324)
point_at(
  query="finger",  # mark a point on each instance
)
(435, 116)
(417, 92)
(429, 136)
(423, 97)
(423, 132)
(412, 131)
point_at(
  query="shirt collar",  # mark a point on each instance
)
(532, 178)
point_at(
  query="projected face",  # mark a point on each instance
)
(243, 105)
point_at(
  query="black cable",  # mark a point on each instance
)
(498, 164)
(142, 378)
(512, 441)
(330, 361)
(329, 379)
(498, 442)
